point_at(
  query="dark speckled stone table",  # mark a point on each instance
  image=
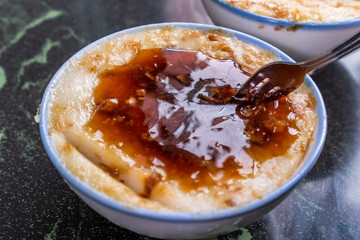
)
(37, 36)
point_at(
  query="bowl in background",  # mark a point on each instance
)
(177, 225)
(300, 40)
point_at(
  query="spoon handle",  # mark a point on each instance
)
(333, 55)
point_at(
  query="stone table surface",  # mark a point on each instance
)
(37, 36)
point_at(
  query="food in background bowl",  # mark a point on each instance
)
(303, 29)
(135, 118)
(302, 10)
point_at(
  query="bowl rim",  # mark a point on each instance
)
(184, 217)
(285, 23)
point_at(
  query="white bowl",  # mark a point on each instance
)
(309, 40)
(172, 225)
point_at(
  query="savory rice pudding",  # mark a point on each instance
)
(303, 10)
(144, 119)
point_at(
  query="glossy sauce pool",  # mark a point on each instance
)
(158, 109)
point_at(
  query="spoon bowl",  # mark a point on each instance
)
(178, 225)
(277, 79)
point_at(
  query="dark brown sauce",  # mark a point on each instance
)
(153, 109)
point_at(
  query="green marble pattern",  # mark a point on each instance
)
(2, 77)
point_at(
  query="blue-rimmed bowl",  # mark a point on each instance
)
(300, 40)
(170, 225)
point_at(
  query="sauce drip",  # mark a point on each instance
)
(156, 110)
